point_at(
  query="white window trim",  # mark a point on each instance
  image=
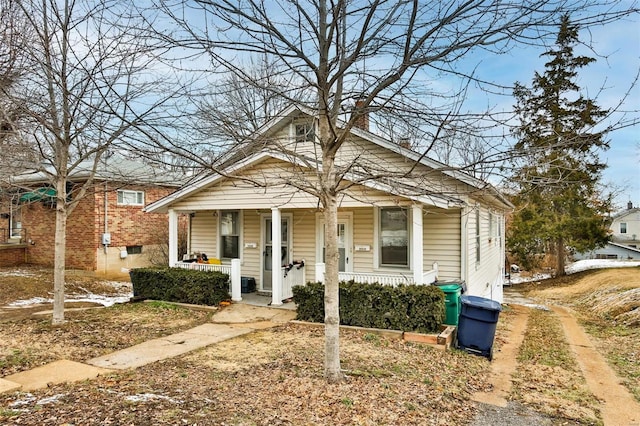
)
(129, 191)
(626, 228)
(293, 134)
(240, 234)
(376, 240)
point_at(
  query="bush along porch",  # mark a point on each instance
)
(404, 307)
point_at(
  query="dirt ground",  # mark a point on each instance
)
(274, 376)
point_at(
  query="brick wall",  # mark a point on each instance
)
(12, 255)
(128, 226)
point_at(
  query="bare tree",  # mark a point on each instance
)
(92, 82)
(242, 102)
(14, 39)
(362, 58)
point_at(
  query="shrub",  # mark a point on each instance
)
(406, 307)
(180, 285)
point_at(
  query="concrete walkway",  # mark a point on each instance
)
(233, 321)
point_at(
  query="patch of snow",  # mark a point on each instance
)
(144, 397)
(583, 265)
(28, 399)
(579, 266)
(101, 299)
(50, 400)
(29, 302)
(517, 279)
(16, 273)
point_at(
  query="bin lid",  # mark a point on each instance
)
(461, 283)
(450, 288)
(481, 302)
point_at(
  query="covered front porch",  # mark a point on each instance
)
(251, 235)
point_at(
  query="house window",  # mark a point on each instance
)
(130, 198)
(134, 249)
(623, 228)
(394, 237)
(305, 132)
(230, 235)
(478, 236)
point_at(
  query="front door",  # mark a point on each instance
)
(344, 244)
(267, 250)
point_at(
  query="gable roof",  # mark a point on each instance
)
(626, 212)
(255, 151)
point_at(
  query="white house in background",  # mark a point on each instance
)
(625, 227)
(625, 238)
(426, 223)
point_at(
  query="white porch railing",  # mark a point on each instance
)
(290, 278)
(225, 269)
(428, 277)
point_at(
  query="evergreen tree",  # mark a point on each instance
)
(557, 201)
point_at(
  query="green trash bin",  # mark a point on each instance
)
(451, 303)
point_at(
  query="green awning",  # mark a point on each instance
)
(37, 195)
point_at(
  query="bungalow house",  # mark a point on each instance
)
(402, 218)
(107, 232)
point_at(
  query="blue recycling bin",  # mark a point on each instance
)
(477, 325)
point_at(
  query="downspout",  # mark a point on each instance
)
(464, 246)
(106, 224)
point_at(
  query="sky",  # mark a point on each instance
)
(616, 47)
(617, 50)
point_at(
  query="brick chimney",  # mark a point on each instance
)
(362, 121)
(629, 205)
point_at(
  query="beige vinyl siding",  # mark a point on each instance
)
(484, 274)
(204, 231)
(381, 160)
(233, 194)
(363, 235)
(442, 242)
(304, 240)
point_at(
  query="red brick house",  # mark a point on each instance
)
(108, 232)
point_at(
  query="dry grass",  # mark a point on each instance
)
(608, 302)
(548, 377)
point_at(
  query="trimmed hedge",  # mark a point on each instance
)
(406, 307)
(180, 285)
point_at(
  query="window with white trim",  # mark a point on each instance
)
(305, 132)
(130, 198)
(230, 235)
(623, 227)
(393, 237)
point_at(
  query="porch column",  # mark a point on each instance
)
(417, 245)
(173, 237)
(276, 262)
(236, 282)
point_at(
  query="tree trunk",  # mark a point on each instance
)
(59, 255)
(560, 253)
(332, 371)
